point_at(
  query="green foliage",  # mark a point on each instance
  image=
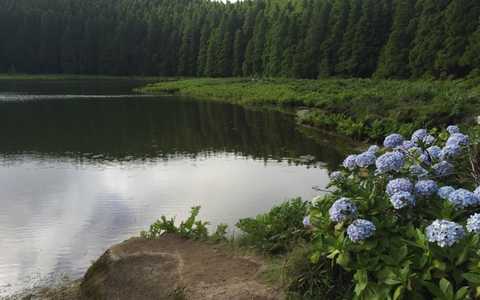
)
(319, 280)
(358, 108)
(398, 261)
(292, 38)
(276, 231)
(190, 228)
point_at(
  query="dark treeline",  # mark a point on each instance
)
(288, 38)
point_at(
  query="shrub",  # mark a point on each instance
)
(276, 231)
(191, 228)
(399, 230)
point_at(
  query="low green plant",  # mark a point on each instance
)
(190, 228)
(276, 231)
(401, 224)
(319, 280)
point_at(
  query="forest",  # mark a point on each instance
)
(437, 39)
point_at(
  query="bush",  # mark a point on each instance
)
(320, 280)
(191, 228)
(395, 225)
(276, 231)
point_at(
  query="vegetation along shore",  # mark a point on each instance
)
(358, 108)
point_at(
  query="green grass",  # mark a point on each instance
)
(358, 108)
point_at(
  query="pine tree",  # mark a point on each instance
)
(394, 62)
(345, 51)
(428, 37)
(458, 27)
(329, 49)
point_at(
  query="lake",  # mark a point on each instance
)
(85, 164)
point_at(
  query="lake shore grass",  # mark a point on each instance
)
(363, 109)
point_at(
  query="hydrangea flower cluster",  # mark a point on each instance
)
(390, 161)
(350, 162)
(445, 191)
(444, 233)
(463, 198)
(393, 140)
(336, 176)
(414, 171)
(473, 223)
(418, 171)
(365, 159)
(419, 135)
(399, 185)
(452, 129)
(402, 199)
(443, 168)
(426, 188)
(360, 230)
(342, 210)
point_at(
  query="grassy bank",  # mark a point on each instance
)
(358, 108)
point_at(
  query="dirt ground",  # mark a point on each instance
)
(169, 268)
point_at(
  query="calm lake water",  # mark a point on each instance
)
(85, 164)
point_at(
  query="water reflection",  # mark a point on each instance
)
(79, 174)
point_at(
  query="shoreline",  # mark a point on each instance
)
(361, 109)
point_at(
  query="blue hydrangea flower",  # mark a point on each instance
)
(393, 140)
(434, 152)
(306, 221)
(425, 158)
(452, 129)
(476, 192)
(401, 199)
(360, 230)
(444, 233)
(350, 162)
(343, 209)
(426, 188)
(373, 149)
(459, 139)
(418, 171)
(336, 176)
(443, 169)
(445, 191)
(390, 161)
(419, 135)
(408, 145)
(451, 151)
(473, 223)
(462, 198)
(399, 185)
(428, 140)
(365, 159)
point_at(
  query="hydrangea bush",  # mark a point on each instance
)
(405, 218)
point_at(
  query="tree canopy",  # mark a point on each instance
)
(277, 38)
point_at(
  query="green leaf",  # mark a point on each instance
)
(343, 259)
(398, 293)
(472, 277)
(315, 257)
(361, 279)
(461, 293)
(446, 288)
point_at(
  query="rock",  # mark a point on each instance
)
(174, 268)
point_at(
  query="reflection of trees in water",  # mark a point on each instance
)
(119, 129)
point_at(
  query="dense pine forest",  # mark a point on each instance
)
(274, 38)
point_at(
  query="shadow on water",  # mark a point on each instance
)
(119, 129)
